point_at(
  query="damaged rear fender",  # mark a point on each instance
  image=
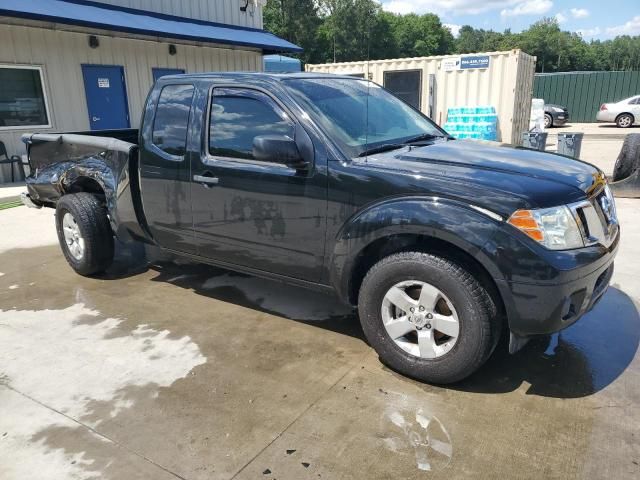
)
(74, 163)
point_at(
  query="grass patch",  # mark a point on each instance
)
(10, 204)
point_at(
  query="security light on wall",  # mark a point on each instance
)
(172, 49)
(93, 41)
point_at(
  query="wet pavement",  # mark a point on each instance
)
(185, 371)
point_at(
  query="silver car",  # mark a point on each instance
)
(624, 114)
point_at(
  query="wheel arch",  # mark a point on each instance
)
(448, 228)
(91, 175)
(84, 183)
(93, 181)
(389, 245)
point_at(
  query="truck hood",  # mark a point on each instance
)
(538, 179)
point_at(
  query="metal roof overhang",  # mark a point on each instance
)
(140, 22)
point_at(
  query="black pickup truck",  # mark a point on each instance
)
(333, 183)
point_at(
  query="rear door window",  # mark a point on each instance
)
(172, 119)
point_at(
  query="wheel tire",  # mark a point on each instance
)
(548, 121)
(479, 323)
(624, 120)
(90, 216)
(629, 158)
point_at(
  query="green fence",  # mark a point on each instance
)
(583, 92)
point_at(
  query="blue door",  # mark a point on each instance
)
(161, 72)
(106, 97)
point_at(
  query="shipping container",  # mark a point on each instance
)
(503, 80)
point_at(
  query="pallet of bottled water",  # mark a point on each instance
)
(479, 123)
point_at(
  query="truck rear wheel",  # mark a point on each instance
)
(427, 317)
(84, 233)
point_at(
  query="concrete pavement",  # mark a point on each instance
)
(11, 191)
(595, 130)
(601, 143)
(167, 371)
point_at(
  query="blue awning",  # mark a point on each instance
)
(141, 22)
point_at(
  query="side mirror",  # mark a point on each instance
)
(278, 149)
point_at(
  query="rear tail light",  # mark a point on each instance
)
(603, 106)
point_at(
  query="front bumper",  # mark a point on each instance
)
(536, 309)
(560, 119)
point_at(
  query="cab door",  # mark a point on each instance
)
(260, 215)
(165, 167)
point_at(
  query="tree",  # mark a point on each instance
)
(545, 40)
(354, 29)
(351, 30)
(297, 21)
(421, 35)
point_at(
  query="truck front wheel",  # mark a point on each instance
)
(427, 317)
(84, 233)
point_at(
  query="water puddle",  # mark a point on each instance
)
(290, 302)
(83, 365)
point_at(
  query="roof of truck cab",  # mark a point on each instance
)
(256, 76)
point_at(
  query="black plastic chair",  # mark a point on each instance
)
(10, 160)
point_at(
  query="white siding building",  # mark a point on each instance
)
(74, 65)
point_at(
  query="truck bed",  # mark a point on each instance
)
(48, 148)
(103, 162)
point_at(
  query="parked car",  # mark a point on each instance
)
(624, 113)
(335, 184)
(555, 115)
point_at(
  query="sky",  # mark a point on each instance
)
(593, 19)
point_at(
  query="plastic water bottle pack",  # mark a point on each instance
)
(480, 123)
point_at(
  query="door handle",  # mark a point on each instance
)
(205, 180)
(96, 119)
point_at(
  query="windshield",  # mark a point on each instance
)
(359, 114)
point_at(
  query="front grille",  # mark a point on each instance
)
(597, 218)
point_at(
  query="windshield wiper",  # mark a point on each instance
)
(423, 137)
(382, 148)
(414, 141)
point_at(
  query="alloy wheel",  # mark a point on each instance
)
(73, 236)
(420, 319)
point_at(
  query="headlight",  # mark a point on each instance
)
(557, 110)
(609, 207)
(555, 227)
